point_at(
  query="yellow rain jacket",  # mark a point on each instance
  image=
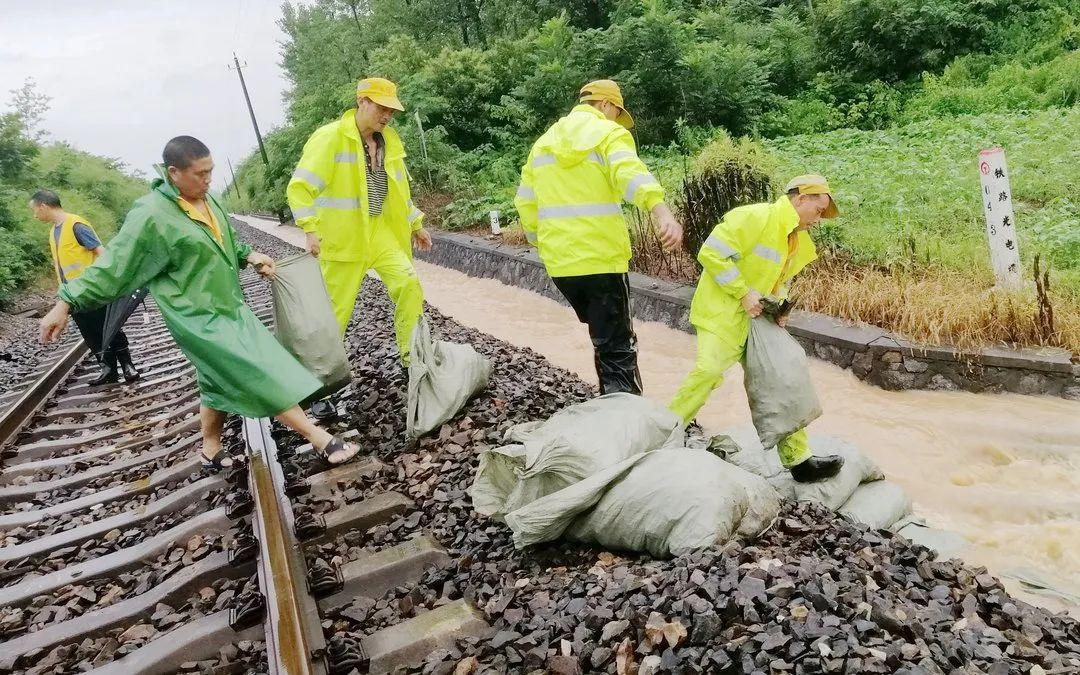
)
(328, 192)
(750, 248)
(572, 187)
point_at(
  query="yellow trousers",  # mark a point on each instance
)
(395, 269)
(714, 356)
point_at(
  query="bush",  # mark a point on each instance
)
(726, 174)
(895, 40)
(969, 86)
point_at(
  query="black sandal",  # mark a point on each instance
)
(338, 444)
(220, 462)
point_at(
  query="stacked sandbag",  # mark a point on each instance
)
(443, 376)
(677, 500)
(858, 490)
(575, 443)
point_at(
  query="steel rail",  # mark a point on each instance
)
(19, 414)
(294, 640)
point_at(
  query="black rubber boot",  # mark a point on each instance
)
(817, 468)
(109, 374)
(130, 372)
(323, 410)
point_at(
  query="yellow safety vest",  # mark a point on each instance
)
(68, 254)
(572, 188)
(749, 249)
(328, 191)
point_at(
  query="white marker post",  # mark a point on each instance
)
(494, 216)
(1000, 220)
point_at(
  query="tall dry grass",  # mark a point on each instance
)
(938, 306)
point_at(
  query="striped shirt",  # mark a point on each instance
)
(376, 176)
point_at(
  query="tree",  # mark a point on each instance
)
(31, 106)
(17, 150)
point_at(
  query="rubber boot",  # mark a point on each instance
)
(130, 372)
(109, 374)
(815, 468)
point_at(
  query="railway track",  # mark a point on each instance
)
(119, 555)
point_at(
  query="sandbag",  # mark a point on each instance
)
(944, 543)
(574, 443)
(777, 380)
(443, 376)
(880, 504)
(663, 502)
(742, 448)
(304, 322)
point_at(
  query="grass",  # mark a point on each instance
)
(910, 195)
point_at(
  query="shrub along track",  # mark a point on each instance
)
(816, 593)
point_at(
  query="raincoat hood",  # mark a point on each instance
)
(162, 183)
(576, 135)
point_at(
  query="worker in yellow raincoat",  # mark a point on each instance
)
(177, 242)
(751, 255)
(570, 205)
(350, 193)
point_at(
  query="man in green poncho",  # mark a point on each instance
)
(178, 242)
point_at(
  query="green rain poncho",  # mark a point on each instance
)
(241, 367)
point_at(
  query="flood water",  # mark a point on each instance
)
(1002, 470)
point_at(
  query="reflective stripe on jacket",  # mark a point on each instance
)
(328, 191)
(68, 254)
(749, 249)
(572, 188)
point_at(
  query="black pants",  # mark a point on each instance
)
(92, 326)
(602, 301)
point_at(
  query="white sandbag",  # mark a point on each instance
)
(678, 500)
(664, 502)
(574, 443)
(879, 504)
(777, 381)
(744, 450)
(443, 376)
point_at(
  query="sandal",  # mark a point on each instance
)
(219, 462)
(337, 445)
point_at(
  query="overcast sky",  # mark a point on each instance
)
(125, 76)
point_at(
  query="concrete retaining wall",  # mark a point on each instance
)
(873, 354)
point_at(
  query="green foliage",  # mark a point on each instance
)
(91, 186)
(899, 39)
(966, 88)
(891, 96)
(919, 183)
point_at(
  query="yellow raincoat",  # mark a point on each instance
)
(328, 196)
(755, 247)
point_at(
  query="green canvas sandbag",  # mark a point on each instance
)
(742, 448)
(443, 376)
(880, 504)
(663, 502)
(777, 381)
(304, 322)
(573, 444)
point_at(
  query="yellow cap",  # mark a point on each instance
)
(608, 90)
(380, 90)
(813, 184)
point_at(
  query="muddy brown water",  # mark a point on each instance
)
(1002, 470)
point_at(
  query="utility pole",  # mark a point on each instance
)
(251, 111)
(233, 173)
